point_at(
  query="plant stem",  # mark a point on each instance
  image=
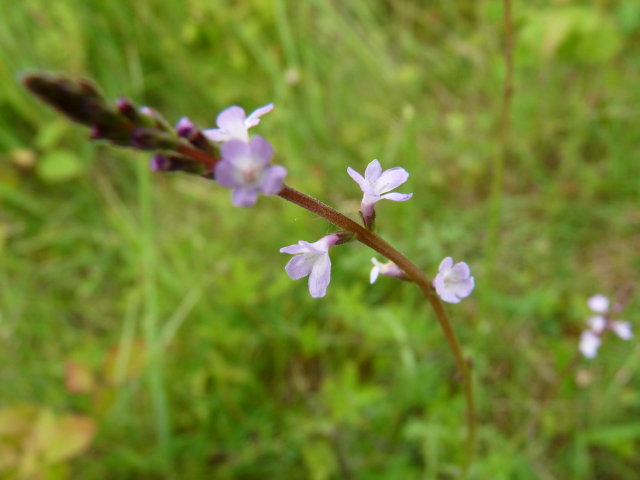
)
(375, 242)
(503, 139)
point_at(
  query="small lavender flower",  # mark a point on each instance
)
(453, 282)
(591, 338)
(312, 259)
(234, 124)
(245, 168)
(377, 185)
(389, 269)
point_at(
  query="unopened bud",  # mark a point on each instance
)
(164, 163)
(185, 128)
(127, 108)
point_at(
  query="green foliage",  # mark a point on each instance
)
(148, 305)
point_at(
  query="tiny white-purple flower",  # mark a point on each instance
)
(312, 259)
(389, 269)
(234, 124)
(377, 185)
(453, 282)
(591, 338)
(244, 166)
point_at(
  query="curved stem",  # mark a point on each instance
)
(375, 242)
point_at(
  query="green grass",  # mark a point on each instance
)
(246, 376)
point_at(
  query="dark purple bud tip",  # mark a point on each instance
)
(127, 108)
(186, 128)
(344, 237)
(160, 163)
(96, 133)
(164, 163)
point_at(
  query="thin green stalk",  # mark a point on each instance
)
(503, 139)
(155, 373)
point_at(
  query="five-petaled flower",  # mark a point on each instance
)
(453, 282)
(377, 185)
(312, 259)
(591, 338)
(234, 124)
(389, 269)
(245, 168)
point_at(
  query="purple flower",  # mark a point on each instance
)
(453, 282)
(377, 184)
(389, 269)
(233, 124)
(245, 168)
(591, 338)
(312, 259)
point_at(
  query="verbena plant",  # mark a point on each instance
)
(230, 156)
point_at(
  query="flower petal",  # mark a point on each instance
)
(375, 271)
(217, 134)
(461, 270)
(391, 179)
(373, 171)
(224, 172)
(320, 276)
(244, 196)
(300, 266)
(373, 276)
(359, 179)
(261, 149)
(232, 120)
(622, 329)
(598, 303)
(254, 119)
(589, 344)
(233, 149)
(294, 249)
(443, 292)
(397, 197)
(272, 181)
(445, 264)
(463, 288)
(597, 323)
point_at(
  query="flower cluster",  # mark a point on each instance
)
(591, 338)
(245, 165)
(452, 283)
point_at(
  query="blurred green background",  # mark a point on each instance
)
(149, 330)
